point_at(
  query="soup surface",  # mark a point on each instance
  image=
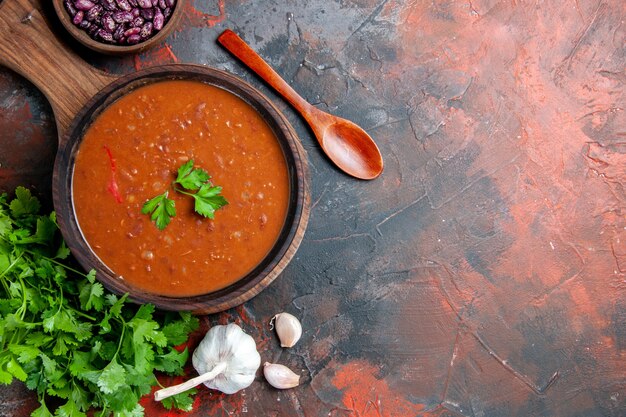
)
(131, 154)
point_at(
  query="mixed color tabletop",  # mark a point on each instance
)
(484, 273)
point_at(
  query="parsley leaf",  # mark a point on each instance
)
(183, 401)
(112, 377)
(63, 251)
(70, 409)
(162, 209)
(5, 224)
(189, 178)
(208, 200)
(15, 369)
(24, 203)
(135, 412)
(91, 296)
(46, 228)
(42, 411)
(176, 331)
(172, 362)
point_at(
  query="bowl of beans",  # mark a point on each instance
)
(119, 26)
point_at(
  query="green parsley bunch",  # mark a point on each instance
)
(65, 336)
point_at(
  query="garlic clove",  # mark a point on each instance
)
(279, 376)
(288, 328)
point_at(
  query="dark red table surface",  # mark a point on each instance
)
(484, 274)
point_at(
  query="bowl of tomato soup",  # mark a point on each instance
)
(129, 145)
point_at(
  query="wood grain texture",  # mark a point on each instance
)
(30, 48)
(236, 46)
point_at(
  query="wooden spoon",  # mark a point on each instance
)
(345, 143)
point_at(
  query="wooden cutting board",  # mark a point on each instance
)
(30, 48)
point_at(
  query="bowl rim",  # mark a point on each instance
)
(105, 48)
(293, 228)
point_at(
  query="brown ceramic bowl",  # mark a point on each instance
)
(105, 48)
(78, 93)
(297, 214)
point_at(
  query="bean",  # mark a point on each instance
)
(94, 12)
(147, 14)
(119, 33)
(136, 229)
(108, 5)
(92, 30)
(70, 7)
(83, 4)
(132, 31)
(105, 36)
(137, 22)
(122, 17)
(158, 21)
(133, 3)
(167, 12)
(136, 12)
(162, 4)
(133, 39)
(78, 17)
(108, 23)
(146, 30)
(123, 4)
(155, 3)
(170, 3)
(144, 4)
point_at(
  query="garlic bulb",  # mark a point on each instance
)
(288, 329)
(279, 376)
(226, 359)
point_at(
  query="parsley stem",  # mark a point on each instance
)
(24, 306)
(119, 345)
(104, 410)
(87, 316)
(54, 261)
(4, 284)
(9, 268)
(181, 191)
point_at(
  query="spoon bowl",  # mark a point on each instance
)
(346, 144)
(351, 149)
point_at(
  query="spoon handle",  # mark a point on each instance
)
(238, 47)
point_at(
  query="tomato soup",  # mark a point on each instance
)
(131, 153)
